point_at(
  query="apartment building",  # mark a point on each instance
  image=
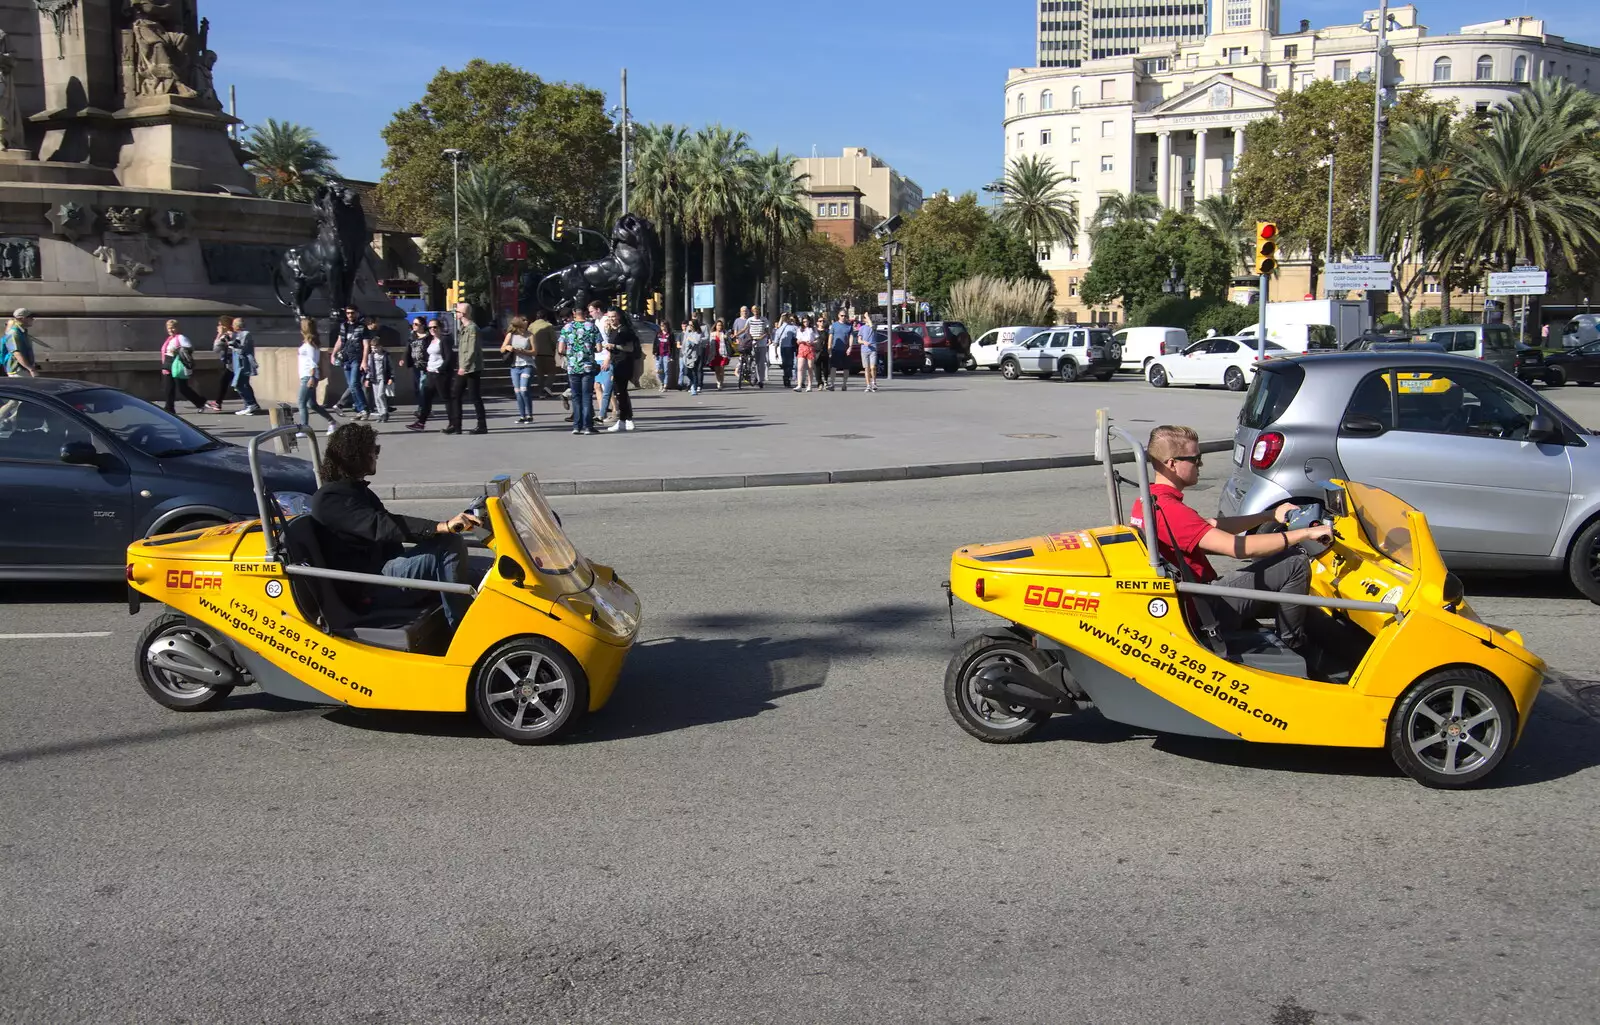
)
(851, 193)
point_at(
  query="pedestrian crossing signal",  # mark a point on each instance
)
(558, 229)
(1266, 247)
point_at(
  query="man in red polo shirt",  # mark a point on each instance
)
(1182, 533)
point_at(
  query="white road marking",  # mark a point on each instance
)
(53, 637)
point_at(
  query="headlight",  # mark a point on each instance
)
(609, 607)
(292, 503)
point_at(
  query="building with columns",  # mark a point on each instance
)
(1170, 119)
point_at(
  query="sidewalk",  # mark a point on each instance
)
(918, 426)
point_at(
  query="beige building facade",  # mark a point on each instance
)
(1170, 119)
(880, 192)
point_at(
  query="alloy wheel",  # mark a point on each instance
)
(1455, 730)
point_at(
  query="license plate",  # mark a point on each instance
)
(1238, 454)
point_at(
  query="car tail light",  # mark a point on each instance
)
(129, 575)
(1266, 451)
(977, 588)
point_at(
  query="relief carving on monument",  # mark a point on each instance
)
(164, 54)
(125, 259)
(60, 13)
(19, 259)
(172, 226)
(126, 220)
(71, 220)
(10, 108)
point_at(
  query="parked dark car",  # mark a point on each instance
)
(86, 469)
(908, 352)
(1556, 367)
(946, 344)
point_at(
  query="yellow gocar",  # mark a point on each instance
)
(1095, 617)
(542, 643)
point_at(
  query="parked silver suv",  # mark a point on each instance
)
(1507, 480)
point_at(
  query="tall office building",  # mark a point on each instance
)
(1073, 31)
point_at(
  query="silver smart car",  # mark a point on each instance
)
(1508, 481)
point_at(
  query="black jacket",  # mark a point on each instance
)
(365, 534)
(347, 342)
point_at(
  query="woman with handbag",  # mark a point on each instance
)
(439, 366)
(719, 352)
(517, 347)
(177, 366)
(244, 367)
(691, 356)
(222, 345)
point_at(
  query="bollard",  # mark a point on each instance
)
(283, 415)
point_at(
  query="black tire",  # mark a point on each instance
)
(172, 690)
(1157, 376)
(1009, 369)
(1473, 722)
(1068, 369)
(514, 678)
(1233, 378)
(1583, 562)
(952, 368)
(1105, 376)
(910, 370)
(978, 715)
(1555, 377)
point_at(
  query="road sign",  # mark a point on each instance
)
(1522, 281)
(514, 250)
(705, 295)
(899, 297)
(1369, 275)
(1368, 259)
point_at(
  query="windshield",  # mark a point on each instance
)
(140, 425)
(1270, 394)
(1383, 520)
(1099, 337)
(552, 556)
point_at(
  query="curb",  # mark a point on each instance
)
(723, 482)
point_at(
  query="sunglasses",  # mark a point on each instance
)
(1196, 460)
(376, 449)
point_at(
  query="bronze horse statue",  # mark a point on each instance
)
(629, 270)
(331, 260)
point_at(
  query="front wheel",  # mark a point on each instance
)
(1555, 377)
(1234, 379)
(1583, 562)
(1452, 728)
(529, 689)
(1158, 376)
(952, 368)
(1105, 376)
(1068, 368)
(176, 663)
(983, 717)
(1009, 369)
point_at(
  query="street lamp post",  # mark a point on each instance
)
(624, 141)
(454, 156)
(1379, 62)
(1327, 255)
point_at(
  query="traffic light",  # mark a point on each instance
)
(622, 301)
(558, 229)
(450, 296)
(1266, 247)
(650, 306)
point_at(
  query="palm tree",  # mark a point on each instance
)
(287, 161)
(493, 211)
(1526, 192)
(1124, 208)
(1035, 203)
(775, 213)
(1225, 216)
(660, 189)
(719, 183)
(1418, 157)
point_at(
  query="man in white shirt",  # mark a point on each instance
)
(759, 330)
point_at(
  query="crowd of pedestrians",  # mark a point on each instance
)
(815, 355)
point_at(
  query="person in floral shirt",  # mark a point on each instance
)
(578, 345)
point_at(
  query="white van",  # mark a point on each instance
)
(985, 352)
(1140, 345)
(1580, 330)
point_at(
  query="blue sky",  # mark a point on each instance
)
(792, 76)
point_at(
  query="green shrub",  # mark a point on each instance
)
(985, 303)
(1227, 318)
(1393, 319)
(1168, 311)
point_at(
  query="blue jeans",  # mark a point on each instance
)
(605, 379)
(582, 386)
(241, 384)
(521, 380)
(308, 402)
(442, 557)
(352, 381)
(663, 367)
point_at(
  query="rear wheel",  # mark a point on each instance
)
(1452, 728)
(1009, 369)
(1583, 562)
(1234, 379)
(1105, 376)
(170, 658)
(1068, 369)
(952, 368)
(529, 689)
(981, 716)
(1157, 375)
(1555, 377)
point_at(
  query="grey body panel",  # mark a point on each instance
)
(1122, 699)
(279, 683)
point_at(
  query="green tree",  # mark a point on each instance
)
(775, 214)
(287, 161)
(1120, 208)
(1418, 160)
(553, 139)
(661, 191)
(1225, 215)
(1037, 205)
(814, 272)
(719, 185)
(1004, 254)
(493, 212)
(937, 242)
(1135, 262)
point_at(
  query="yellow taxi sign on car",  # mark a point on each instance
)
(1421, 383)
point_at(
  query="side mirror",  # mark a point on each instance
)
(1361, 425)
(1542, 430)
(80, 453)
(511, 569)
(1454, 592)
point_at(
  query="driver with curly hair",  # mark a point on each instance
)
(370, 539)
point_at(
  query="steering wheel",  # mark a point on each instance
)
(479, 511)
(1308, 515)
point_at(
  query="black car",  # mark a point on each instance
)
(85, 469)
(1556, 367)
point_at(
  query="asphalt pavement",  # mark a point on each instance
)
(775, 820)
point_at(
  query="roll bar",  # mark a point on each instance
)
(378, 580)
(1105, 431)
(260, 486)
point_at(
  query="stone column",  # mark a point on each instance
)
(1199, 164)
(1238, 146)
(1164, 168)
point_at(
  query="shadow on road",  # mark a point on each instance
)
(64, 592)
(1526, 585)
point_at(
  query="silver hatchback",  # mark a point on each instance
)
(1507, 480)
